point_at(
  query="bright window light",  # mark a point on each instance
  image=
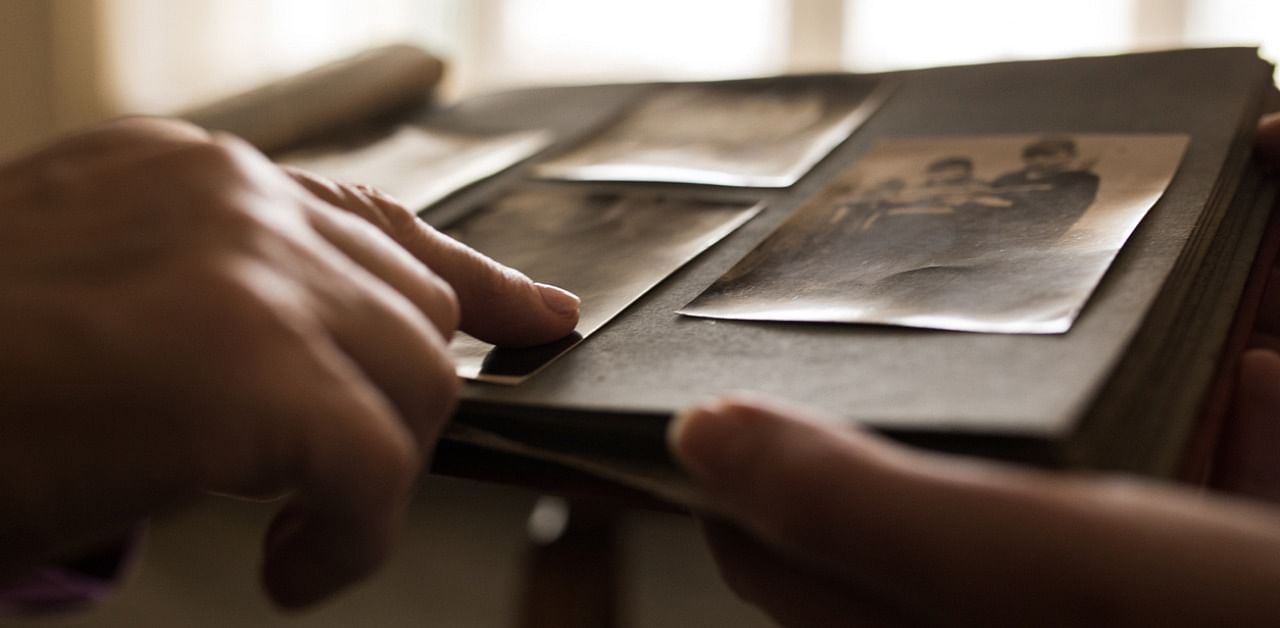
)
(1235, 22)
(583, 40)
(893, 34)
(162, 56)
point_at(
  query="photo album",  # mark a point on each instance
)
(1046, 262)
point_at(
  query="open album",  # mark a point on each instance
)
(1037, 261)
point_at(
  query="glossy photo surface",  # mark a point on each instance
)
(1001, 234)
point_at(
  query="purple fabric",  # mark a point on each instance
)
(70, 586)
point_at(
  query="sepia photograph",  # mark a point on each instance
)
(1000, 234)
(764, 133)
(419, 166)
(607, 248)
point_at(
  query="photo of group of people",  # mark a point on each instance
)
(996, 234)
(1039, 201)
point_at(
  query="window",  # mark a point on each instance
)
(160, 56)
(893, 34)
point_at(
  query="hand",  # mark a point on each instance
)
(822, 526)
(1267, 139)
(1248, 463)
(837, 528)
(180, 315)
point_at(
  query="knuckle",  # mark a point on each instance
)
(354, 200)
(154, 128)
(206, 173)
(343, 195)
(351, 199)
(397, 220)
(213, 157)
(401, 462)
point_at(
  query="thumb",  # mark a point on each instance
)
(831, 498)
(982, 542)
(780, 471)
(1267, 139)
(498, 304)
(1247, 461)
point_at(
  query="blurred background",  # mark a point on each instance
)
(465, 559)
(68, 62)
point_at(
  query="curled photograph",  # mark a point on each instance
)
(1000, 234)
(420, 166)
(758, 133)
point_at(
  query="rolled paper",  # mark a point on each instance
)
(291, 111)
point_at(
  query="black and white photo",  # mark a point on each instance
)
(761, 133)
(609, 249)
(988, 234)
(419, 166)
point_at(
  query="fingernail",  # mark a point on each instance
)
(703, 438)
(560, 301)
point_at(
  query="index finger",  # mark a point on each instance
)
(498, 304)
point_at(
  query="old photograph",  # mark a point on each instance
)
(762, 133)
(418, 166)
(1003, 234)
(609, 249)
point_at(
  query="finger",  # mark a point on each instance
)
(353, 478)
(376, 253)
(498, 304)
(389, 314)
(1267, 139)
(308, 421)
(1248, 461)
(787, 481)
(385, 335)
(982, 542)
(366, 245)
(321, 431)
(1268, 319)
(790, 595)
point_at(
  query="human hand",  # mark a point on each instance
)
(180, 315)
(1267, 138)
(1247, 463)
(824, 526)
